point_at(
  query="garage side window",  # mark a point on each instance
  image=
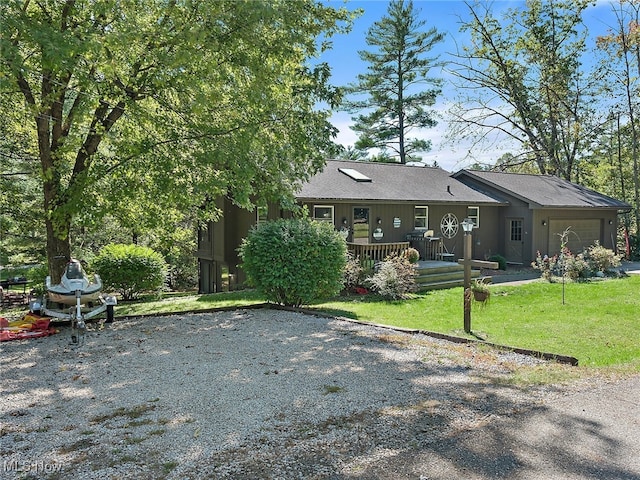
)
(323, 213)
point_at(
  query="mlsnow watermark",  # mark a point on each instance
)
(20, 466)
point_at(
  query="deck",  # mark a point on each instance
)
(431, 249)
(437, 274)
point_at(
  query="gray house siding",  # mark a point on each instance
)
(518, 214)
(546, 207)
(485, 242)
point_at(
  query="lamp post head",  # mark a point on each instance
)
(467, 225)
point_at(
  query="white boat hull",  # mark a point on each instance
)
(69, 298)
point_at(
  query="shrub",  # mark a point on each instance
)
(353, 274)
(395, 278)
(131, 270)
(502, 262)
(602, 259)
(37, 276)
(575, 267)
(294, 261)
(546, 265)
(412, 255)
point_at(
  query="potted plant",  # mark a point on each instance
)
(480, 289)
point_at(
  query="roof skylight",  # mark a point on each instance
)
(354, 174)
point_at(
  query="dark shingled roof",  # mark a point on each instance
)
(390, 182)
(543, 190)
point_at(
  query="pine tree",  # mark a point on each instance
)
(390, 91)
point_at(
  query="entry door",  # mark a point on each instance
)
(515, 239)
(361, 225)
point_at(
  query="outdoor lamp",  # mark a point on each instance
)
(467, 225)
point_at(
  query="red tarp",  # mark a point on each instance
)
(29, 326)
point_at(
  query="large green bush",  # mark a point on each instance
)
(294, 262)
(131, 270)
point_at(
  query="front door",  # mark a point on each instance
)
(361, 225)
(515, 239)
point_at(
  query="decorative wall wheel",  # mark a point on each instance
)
(449, 225)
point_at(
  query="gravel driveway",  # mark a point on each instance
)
(281, 395)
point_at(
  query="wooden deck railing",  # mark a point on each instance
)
(376, 251)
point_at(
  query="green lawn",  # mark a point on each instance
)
(186, 303)
(599, 323)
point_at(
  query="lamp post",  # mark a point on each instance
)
(467, 226)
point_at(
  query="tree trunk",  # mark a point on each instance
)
(58, 252)
(57, 224)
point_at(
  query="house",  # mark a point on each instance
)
(539, 208)
(377, 206)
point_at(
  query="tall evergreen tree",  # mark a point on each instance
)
(391, 91)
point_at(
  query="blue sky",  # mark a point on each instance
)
(445, 15)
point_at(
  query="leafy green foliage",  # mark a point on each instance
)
(389, 91)
(294, 262)
(394, 278)
(502, 262)
(134, 108)
(131, 270)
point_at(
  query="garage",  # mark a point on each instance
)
(582, 234)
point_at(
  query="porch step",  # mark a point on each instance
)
(439, 275)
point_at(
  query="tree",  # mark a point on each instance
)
(294, 261)
(526, 82)
(185, 101)
(389, 91)
(20, 206)
(621, 71)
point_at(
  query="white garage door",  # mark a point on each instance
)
(582, 234)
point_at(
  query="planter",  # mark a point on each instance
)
(480, 296)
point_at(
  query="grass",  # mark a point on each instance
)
(598, 322)
(183, 303)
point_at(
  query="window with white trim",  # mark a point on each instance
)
(261, 214)
(323, 213)
(421, 217)
(474, 214)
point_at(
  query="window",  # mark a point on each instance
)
(323, 213)
(516, 230)
(421, 218)
(261, 214)
(474, 214)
